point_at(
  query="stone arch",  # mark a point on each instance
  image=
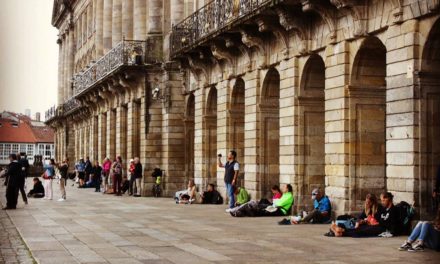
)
(210, 128)
(430, 119)
(311, 133)
(189, 136)
(236, 126)
(367, 124)
(270, 132)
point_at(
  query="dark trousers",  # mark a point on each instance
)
(23, 193)
(315, 217)
(11, 196)
(132, 181)
(117, 179)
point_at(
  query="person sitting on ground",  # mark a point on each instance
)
(242, 196)
(255, 209)
(389, 216)
(211, 196)
(187, 196)
(125, 185)
(276, 194)
(322, 209)
(38, 189)
(425, 234)
(367, 224)
(95, 178)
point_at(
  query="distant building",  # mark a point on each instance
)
(19, 133)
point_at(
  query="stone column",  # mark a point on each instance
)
(177, 11)
(107, 25)
(199, 103)
(65, 66)
(223, 144)
(111, 134)
(121, 124)
(116, 23)
(139, 22)
(70, 62)
(99, 23)
(102, 125)
(132, 129)
(127, 19)
(155, 9)
(60, 71)
(336, 127)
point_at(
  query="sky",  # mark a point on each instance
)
(28, 56)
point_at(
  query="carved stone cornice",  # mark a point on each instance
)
(268, 25)
(222, 53)
(325, 11)
(358, 10)
(252, 40)
(199, 65)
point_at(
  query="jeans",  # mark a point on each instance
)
(425, 232)
(63, 188)
(230, 192)
(117, 180)
(48, 194)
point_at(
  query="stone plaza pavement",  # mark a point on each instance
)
(94, 228)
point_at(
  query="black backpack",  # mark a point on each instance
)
(406, 214)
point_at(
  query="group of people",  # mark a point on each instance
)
(378, 218)
(110, 177)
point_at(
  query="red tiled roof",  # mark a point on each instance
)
(23, 131)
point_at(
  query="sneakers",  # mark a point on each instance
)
(228, 210)
(61, 200)
(418, 247)
(285, 221)
(405, 246)
(329, 234)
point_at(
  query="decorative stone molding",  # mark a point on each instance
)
(358, 10)
(267, 25)
(325, 11)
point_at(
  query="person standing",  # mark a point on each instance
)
(48, 175)
(130, 173)
(88, 169)
(117, 176)
(137, 176)
(64, 167)
(231, 173)
(96, 176)
(13, 176)
(80, 169)
(24, 163)
(106, 166)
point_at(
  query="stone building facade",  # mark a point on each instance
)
(341, 94)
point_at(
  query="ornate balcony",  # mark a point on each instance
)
(128, 53)
(213, 18)
(70, 106)
(50, 113)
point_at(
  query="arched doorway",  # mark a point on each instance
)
(236, 135)
(211, 136)
(189, 137)
(270, 133)
(367, 110)
(430, 120)
(311, 139)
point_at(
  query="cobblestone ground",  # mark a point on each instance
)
(95, 228)
(12, 248)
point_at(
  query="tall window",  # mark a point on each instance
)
(23, 148)
(30, 151)
(15, 148)
(41, 149)
(2, 156)
(7, 150)
(48, 151)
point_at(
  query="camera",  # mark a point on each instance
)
(155, 93)
(219, 155)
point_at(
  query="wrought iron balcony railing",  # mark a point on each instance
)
(213, 17)
(126, 53)
(50, 113)
(71, 105)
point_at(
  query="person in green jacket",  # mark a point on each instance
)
(255, 208)
(242, 196)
